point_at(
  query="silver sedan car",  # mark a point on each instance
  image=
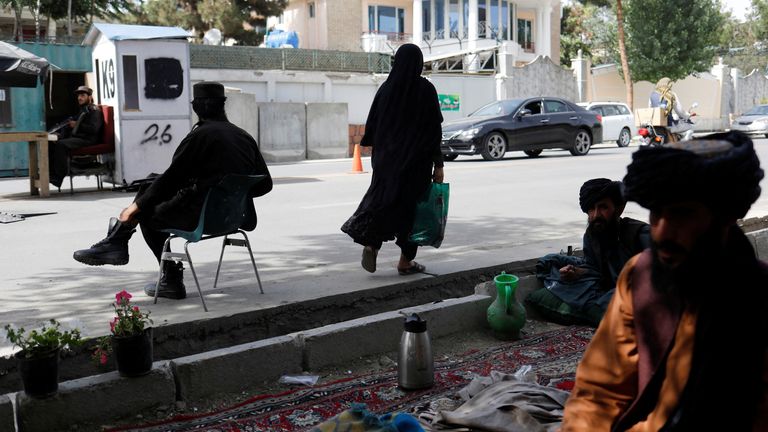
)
(754, 121)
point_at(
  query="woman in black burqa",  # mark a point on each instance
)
(403, 131)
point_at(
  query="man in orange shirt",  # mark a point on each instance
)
(666, 355)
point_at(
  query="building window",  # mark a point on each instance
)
(311, 9)
(426, 18)
(386, 19)
(5, 107)
(440, 19)
(525, 34)
(131, 82)
(454, 18)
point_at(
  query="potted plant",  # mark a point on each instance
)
(130, 339)
(38, 359)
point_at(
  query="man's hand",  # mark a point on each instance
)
(437, 176)
(570, 273)
(72, 124)
(129, 213)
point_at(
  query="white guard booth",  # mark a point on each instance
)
(143, 73)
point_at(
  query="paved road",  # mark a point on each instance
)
(500, 212)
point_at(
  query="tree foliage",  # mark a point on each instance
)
(243, 20)
(80, 11)
(744, 45)
(665, 39)
(592, 29)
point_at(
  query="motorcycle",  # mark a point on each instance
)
(659, 135)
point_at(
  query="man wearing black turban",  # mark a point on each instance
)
(666, 356)
(214, 148)
(586, 285)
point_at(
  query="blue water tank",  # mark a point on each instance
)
(278, 38)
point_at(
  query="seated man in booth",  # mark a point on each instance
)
(214, 148)
(81, 130)
(578, 290)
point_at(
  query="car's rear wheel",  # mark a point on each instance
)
(625, 137)
(581, 143)
(532, 153)
(494, 146)
(450, 157)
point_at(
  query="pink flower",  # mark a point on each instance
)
(135, 308)
(103, 358)
(123, 295)
(113, 324)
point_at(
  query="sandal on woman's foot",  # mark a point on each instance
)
(369, 259)
(413, 269)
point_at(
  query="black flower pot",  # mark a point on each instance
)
(40, 374)
(133, 354)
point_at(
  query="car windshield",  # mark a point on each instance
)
(758, 110)
(497, 108)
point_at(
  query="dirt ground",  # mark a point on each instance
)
(444, 349)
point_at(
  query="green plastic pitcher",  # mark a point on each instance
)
(506, 315)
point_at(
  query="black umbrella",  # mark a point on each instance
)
(19, 68)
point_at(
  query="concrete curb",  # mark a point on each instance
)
(7, 418)
(380, 333)
(97, 400)
(229, 370)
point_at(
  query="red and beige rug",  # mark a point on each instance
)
(553, 355)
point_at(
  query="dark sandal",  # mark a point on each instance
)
(415, 268)
(369, 259)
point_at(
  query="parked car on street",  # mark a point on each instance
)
(754, 121)
(529, 125)
(618, 120)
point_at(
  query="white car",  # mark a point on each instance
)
(618, 120)
(754, 121)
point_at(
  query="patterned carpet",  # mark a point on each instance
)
(553, 355)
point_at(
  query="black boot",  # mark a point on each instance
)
(171, 282)
(112, 250)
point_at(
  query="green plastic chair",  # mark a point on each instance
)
(224, 213)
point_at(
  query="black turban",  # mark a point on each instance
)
(208, 89)
(720, 170)
(594, 190)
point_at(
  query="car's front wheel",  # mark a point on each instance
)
(494, 146)
(625, 137)
(532, 153)
(581, 143)
(450, 157)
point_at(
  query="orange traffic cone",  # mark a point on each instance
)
(357, 162)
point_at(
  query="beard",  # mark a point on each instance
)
(604, 228)
(693, 275)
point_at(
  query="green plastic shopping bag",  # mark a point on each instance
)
(431, 216)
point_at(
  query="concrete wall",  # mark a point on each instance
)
(542, 77)
(282, 131)
(327, 131)
(242, 111)
(473, 91)
(751, 90)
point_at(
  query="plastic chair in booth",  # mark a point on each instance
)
(105, 147)
(224, 213)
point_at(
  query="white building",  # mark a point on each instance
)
(445, 29)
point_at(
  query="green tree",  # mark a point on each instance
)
(739, 45)
(591, 28)
(243, 20)
(664, 39)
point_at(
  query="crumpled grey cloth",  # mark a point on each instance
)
(504, 403)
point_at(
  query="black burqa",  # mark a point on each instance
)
(403, 129)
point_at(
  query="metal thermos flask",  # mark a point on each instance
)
(415, 367)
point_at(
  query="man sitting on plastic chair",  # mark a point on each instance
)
(174, 200)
